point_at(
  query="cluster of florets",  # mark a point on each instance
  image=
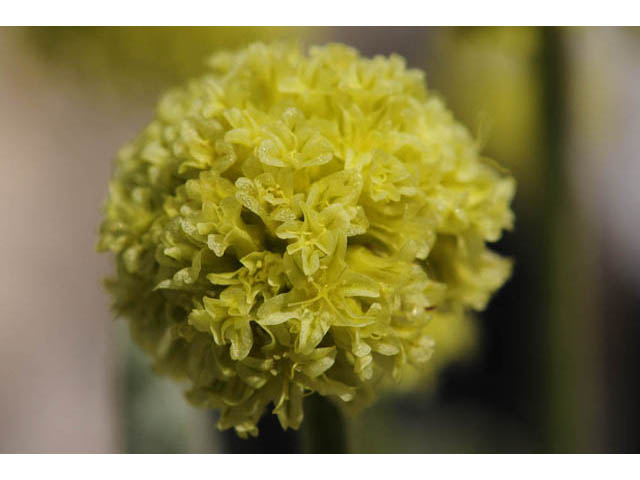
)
(291, 223)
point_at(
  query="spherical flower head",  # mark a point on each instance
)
(292, 223)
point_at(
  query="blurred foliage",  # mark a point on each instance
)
(490, 77)
(456, 340)
(145, 60)
(155, 417)
(415, 423)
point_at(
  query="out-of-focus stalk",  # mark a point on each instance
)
(566, 301)
(272, 439)
(324, 429)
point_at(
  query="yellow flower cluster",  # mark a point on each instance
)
(291, 223)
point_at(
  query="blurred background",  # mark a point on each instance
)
(551, 366)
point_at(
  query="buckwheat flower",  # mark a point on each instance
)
(292, 223)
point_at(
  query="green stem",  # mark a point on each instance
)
(567, 283)
(324, 428)
(271, 439)
(553, 213)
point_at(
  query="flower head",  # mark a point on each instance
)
(292, 223)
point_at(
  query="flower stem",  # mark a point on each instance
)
(566, 280)
(323, 427)
(272, 439)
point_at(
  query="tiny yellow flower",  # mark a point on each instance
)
(293, 223)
